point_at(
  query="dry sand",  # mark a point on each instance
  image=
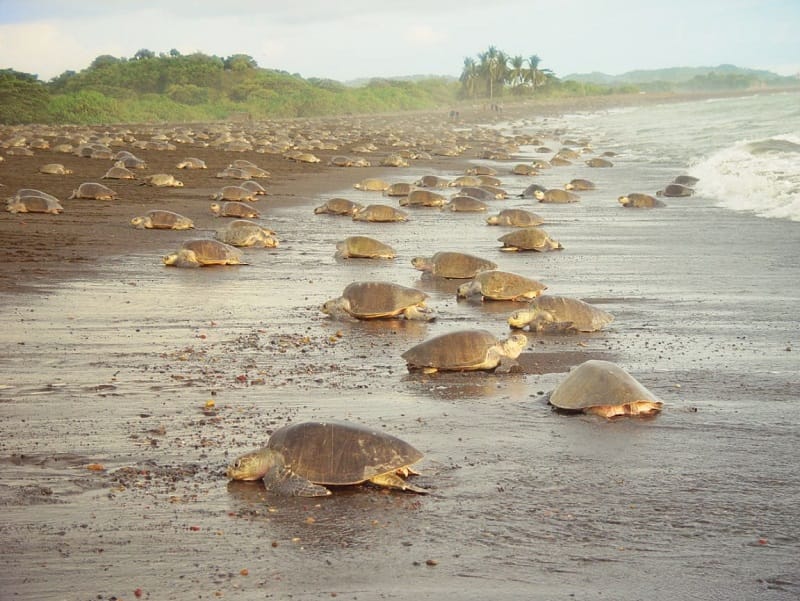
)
(111, 361)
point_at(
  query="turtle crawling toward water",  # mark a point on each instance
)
(636, 200)
(159, 219)
(303, 459)
(201, 252)
(379, 300)
(241, 232)
(338, 206)
(453, 265)
(466, 350)
(560, 314)
(515, 218)
(603, 388)
(501, 285)
(529, 238)
(94, 191)
(363, 247)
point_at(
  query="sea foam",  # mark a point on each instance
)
(760, 176)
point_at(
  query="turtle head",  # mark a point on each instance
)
(515, 344)
(468, 288)
(523, 317)
(336, 307)
(182, 258)
(538, 194)
(138, 222)
(253, 465)
(216, 208)
(421, 263)
(493, 220)
(624, 201)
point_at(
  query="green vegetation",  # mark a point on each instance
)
(172, 87)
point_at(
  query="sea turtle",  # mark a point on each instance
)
(372, 184)
(453, 265)
(501, 285)
(252, 170)
(54, 169)
(237, 193)
(529, 238)
(675, 191)
(94, 191)
(556, 196)
(685, 180)
(524, 169)
(158, 219)
(466, 350)
(560, 314)
(636, 200)
(394, 160)
(399, 189)
(568, 153)
(423, 198)
(432, 181)
(489, 180)
(306, 157)
(466, 204)
(33, 204)
(233, 173)
(515, 218)
(363, 247)
(531, 190)
(603, 388)
(379, 213)
(559, 161)
(379, 300)
(119, 172)
(201, 251)
(191, 163)
(580, 185)
(131, 162)
(482, 193)
(465, 180)
(598, 162)
(162, 180)
(254, 187)
(302, 459)
(241, 232)
(338, 206)
(234, 208)
(34, 192)
(340, 161)
(480, 170)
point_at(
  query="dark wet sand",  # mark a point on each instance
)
(112, 360)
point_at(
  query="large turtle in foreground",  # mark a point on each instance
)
(501, 285)
(379, 300)
(201, 252)
(303, 459)
(560, 314)
(466, 350)
(453, 265)
(603, 388)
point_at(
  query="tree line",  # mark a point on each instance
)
(488, 74)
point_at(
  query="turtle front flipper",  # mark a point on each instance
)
(392, 480)
(283, 481)
(419, 313)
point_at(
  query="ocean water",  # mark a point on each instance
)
(746, 150)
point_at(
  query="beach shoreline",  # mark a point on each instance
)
(129, 386)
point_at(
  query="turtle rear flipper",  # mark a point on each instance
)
(392, 480)
(283, 481)
(558, 327)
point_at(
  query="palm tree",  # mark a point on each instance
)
(533, 73)
(516, 72)
(493, 67)
(469, 76)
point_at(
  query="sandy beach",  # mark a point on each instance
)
(128, 387)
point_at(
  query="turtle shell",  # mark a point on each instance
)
(242, 232)
(379, 213)
(562, 309)
(466, 204)
(212, 252)
(504, 285)
(457, 265)
(460, 350)
(364, 247)
(370, 300)
(340, 453)
(167, 220)
(339, 206)
(515, 218)
(529, 238)
(93, 190)
(597, 383)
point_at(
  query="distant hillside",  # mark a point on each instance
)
(676, 75)
(362, 81)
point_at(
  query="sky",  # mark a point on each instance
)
(378, 38)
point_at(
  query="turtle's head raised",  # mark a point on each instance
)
(421, 263)
(253, 465)
(515, 344)
(520, 319)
